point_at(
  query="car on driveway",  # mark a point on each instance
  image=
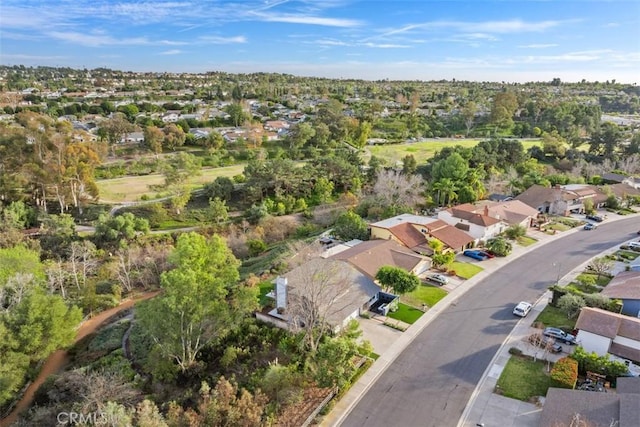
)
(596, 218)
(522, 309)
(479, 255)
(487, 253)
(437, 278)
(559, 335)
(590, 226)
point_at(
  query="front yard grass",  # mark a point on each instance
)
(524, 379)
(625, 256)
(600, 281)
(526, 240)
(556, 226)
(406, 314)
(424, 294)
(465, 269)
(553, 316)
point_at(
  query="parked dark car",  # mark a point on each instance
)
(596, 218)
(479, 255)
(560, 335)
(487, 253)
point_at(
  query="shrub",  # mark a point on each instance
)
(565, 372)
(515, 351)
(515, 231)
(256, 247)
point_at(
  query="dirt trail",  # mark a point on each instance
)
(60, 358)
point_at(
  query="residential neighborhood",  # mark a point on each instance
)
(188, 234)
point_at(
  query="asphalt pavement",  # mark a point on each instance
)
(484, 407)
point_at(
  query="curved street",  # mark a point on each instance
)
(431, 381)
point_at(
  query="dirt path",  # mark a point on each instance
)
(60, 358)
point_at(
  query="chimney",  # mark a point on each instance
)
(486, 210)
(281, 292)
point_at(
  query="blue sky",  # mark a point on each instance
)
(508, 40)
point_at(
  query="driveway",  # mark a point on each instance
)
(380, 336)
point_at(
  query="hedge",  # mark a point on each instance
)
(565, 373)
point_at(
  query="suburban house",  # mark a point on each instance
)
(621, 179)
(485, 220)
(605, 332)
(564, 407)
(132, 137)
(625, 189)
(367, 257)
(415, 231)
(335, 290)
(562, 200)
(625, 286)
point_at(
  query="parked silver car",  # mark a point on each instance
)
(438, 278)
(559, 335)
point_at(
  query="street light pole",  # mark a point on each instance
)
(558, 265)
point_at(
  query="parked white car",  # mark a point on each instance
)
(522, 309)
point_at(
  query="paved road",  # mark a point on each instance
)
(430, 383)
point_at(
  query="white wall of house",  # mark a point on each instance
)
(593, 342)
(422, 267)
(627, 342)
(478, 232)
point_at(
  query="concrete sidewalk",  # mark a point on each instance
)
(484, 405)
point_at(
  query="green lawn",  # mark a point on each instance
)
(406, 314)
(552, 316)
(523, 379)
(424, 294)
(423, 151)
(626, 255)
(465, 270)
(265, 288)
(556, 226)
(602, 281)
(526, 241)
(132, 188)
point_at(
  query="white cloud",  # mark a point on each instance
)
(171, 52)
(306, 20)
(385, 45)
(223, 40)
(537, 46)
(96, 40)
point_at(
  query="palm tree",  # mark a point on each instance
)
(447, 188)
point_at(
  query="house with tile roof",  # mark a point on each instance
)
(485, 220)
(368, 257)
(415, 231)
(564, 407)
(604, 332)
(625, 286)
(562, 200)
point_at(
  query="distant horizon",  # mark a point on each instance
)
(509, 41)
(451, 80)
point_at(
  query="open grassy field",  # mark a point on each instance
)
(131, 188)
(424, 150)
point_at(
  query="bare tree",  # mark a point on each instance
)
(630, 164)
(601, 266)
(82, 262)
(397, 189)
(16, 288)
(316, 292)
(57, 277)
(540, 342)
